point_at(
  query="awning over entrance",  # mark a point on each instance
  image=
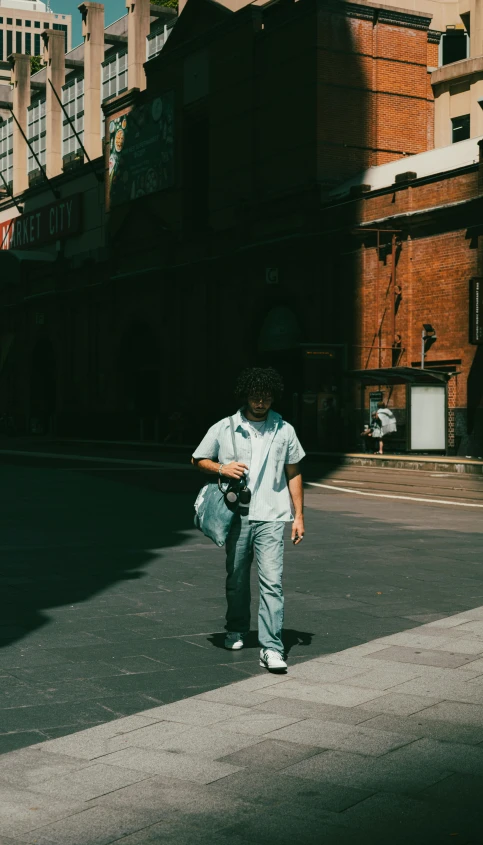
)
(401, 375)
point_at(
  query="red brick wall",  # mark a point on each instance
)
(434, 273)
(374, 101)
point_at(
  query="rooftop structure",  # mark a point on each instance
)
(87, 76)
(423, 165)
(21, 25)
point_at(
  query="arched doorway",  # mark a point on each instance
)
(139, 381)
(278, 347)
(43, 388)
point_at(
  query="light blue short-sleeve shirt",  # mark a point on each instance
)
(270, 494)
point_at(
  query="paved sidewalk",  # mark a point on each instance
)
(381, 743)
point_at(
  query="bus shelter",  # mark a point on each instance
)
(426, 426)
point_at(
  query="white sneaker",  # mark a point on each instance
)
(272, 660)
(234, 640)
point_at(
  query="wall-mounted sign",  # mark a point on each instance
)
(46, 224)
(141, 153)
(476, 311)
(319, 353)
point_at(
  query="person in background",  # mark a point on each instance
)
(385, 423)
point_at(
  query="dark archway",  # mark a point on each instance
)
(43, 387)
(139, 380)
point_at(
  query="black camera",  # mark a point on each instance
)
(236, 494)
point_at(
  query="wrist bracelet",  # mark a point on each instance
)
(220, 470)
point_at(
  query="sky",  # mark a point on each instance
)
(113, 10)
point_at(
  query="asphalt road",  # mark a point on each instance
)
(113, 603)
(438, 486)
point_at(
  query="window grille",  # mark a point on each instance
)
(6, 150)
(36, 134)
(73, 102)
(156, 41)
(114, 75)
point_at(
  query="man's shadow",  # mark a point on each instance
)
(290, 638)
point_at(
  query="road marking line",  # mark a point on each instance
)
(392, 496)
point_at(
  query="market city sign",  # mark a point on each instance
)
(44, 225)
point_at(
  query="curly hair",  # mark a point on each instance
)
(258, 381)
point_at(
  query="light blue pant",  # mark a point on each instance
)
(265, 539)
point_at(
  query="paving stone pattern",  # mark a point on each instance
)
(260, 761)
(123, 719)
(111, 603)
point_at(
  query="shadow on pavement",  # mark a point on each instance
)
(290, 639)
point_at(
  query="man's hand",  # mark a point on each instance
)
(234, 470)
(298, 530)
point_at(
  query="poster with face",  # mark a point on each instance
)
(141, 151)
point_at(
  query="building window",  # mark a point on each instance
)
(28, 23)
(460, 128)
(454, 46)
(1, 44)
(73, 102)
(36, 134)
(37, 45)
(1, 20)
(9, 22)
(9, 42)
(37, 24)
(63, 29)
(6, 150)
(18, 42)
(28, 43)
(114, 75)
(46, 25)
(18, 22)
(156, 41)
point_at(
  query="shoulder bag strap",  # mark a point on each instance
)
(232, 427)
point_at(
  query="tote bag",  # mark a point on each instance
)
(213, 514)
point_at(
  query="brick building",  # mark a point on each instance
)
(286, 134)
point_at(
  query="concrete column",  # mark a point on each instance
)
(21, 100)
(93, 34)
(137, 31)
(54, 57)
(476, 28)
(476, 112)
(442, 120)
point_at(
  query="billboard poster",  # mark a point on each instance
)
(141, 152)
(476, 311)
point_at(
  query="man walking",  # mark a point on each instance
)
(268, 454)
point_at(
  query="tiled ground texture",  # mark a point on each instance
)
(381, 743)
(113, 605)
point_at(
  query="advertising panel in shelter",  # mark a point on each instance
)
(141, 159)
